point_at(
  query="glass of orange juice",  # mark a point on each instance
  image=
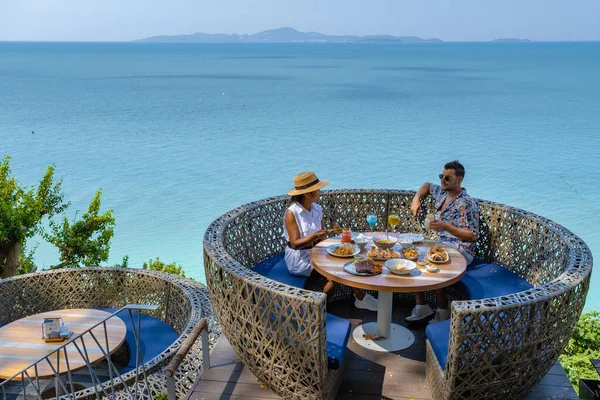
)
(393, 220)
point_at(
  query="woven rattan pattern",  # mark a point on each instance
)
(499, 347)
(182, 303)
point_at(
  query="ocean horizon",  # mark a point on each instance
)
(178, 134)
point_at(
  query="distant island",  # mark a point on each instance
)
(284, 35)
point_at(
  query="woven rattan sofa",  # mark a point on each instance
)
(498, 347)
(181, 304)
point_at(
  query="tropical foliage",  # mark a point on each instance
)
(22, 211)
(158, 265)
(583, 346)
(85, 241)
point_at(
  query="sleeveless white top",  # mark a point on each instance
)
(298, 261)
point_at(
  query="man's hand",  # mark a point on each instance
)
(438, 225)
(415, 206)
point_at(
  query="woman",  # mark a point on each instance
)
(303, 228)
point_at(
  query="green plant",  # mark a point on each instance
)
(21, 212)
(583, 346)
(157, 265)
(85, 241)
(124, 263)
(162, 396)
(26, 262)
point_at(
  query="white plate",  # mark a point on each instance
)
(395, 262)
(438, 262)
(406, 239)
(331, 248)
(350, 268)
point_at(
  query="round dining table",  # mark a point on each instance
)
(385, 335)
(21, 342)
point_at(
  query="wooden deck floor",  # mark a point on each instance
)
(368, 375)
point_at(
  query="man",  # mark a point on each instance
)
(457, 224)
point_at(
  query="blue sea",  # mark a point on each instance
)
(178, 134)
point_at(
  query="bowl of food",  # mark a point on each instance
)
(400, 266)
(384, 242)
(411, 253)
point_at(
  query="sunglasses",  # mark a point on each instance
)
(445, 177)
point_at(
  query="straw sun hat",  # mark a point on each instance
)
(307, 182)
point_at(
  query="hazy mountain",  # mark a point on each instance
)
(283, 35)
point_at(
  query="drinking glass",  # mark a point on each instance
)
(371, 220)
(393, 220)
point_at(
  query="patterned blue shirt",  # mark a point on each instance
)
(462, 213)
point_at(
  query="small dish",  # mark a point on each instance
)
(400, 266)
(431, 268)
(410, 254)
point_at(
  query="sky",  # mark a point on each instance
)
(451, 20)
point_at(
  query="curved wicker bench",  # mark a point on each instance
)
(498, 348)
(181, 304)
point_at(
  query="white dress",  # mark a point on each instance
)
(298, 261)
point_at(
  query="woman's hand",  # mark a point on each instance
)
(438, 225)
(320, 234)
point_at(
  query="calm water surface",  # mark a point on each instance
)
(178, 134)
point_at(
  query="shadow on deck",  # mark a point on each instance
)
(368, 375)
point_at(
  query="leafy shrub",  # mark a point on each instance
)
(157, 265)
(162, 396)
(583, 346)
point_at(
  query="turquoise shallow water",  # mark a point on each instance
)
(177, 134)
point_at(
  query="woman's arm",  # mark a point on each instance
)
(294, 232)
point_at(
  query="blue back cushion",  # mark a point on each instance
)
(483, 280)
(338, 329)
(155, 336)
(338, 332)
(439, 337)
(275, 268)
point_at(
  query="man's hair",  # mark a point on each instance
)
(458, 168)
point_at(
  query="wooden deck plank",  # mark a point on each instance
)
(367, 375)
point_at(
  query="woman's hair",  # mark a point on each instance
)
(296, 198)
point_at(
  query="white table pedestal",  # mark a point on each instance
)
(396, 336)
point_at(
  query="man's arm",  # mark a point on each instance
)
(416, 202)
(460, 233)
(468, 230)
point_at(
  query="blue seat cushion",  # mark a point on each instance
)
(155, 336)
(275, 268)
(439, 337)
(338, 332)
(483, 280)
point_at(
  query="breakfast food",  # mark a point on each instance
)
(343, 250)
(380, 253)
(437, 254)
(411, 253)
